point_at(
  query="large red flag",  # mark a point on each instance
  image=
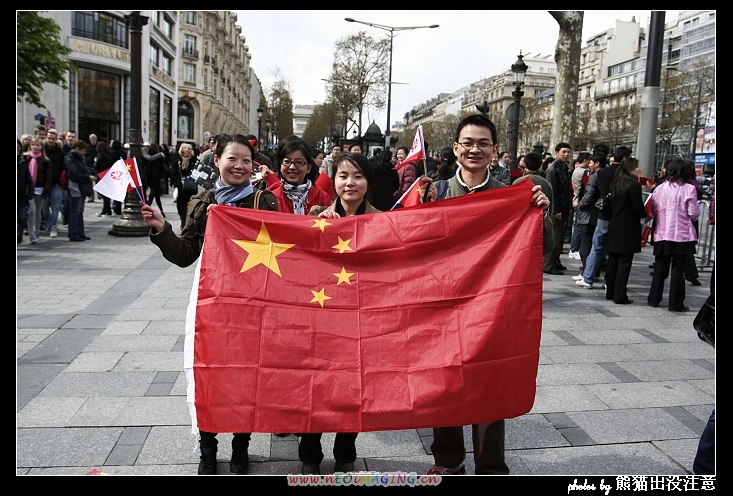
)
(417, 150)
(413, 318)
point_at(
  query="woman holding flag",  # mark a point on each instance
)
(233, 161)
(352, 176)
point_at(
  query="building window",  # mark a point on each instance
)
(189, 45)
(154, 116)
(167, 64)
(100, 26)
(191, 17)
(185, 120)
(167, 120)
(167, 27)
(155, 17)
(154, 55)
(189, 73)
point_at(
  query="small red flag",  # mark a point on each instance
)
(413, 195)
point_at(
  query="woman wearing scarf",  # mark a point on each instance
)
(233, 160)
(40, 168)
(295, 185)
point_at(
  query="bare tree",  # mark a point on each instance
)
(281, 107)
(358, 75)
(567, 58)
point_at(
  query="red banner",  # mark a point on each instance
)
(418, 317)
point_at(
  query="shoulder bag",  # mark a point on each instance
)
(704, 322)
(604, 206)
(189, 185)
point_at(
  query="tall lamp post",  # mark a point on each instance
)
(259, 126)
(131, 223)
(391, 30)
(519, 69)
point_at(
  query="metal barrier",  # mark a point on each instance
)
(706, 237)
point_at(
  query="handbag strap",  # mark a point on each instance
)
(258, 195)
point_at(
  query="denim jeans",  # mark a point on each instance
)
(575, 237)
(597, 253)
(53, 202)
(76, 217)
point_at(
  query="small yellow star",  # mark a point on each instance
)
(342, 245)
(319, 296)
(343, 276)
(262, 251)
(321, 224)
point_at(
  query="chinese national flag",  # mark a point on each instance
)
(135, 182)
(413, 318)
(413, 196)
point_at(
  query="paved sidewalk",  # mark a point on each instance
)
(621, 389)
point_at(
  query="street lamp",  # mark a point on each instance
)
(391, 30)
(519, 69)
(259, 126)
(267, 134)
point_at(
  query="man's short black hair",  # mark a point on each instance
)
(562, 145)
(476, 120)
(533, 161)
(600, 158)
(621, 153)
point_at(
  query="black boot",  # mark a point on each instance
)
(240, 458)
(207, 463)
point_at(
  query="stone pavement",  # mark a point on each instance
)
(621, 389)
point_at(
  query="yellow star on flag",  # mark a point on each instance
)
(342, 245)
(343, 276)
(262, 251)
(319, 296)
(321, 224)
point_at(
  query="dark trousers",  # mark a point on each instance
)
(154, 185)
(208, 440)
(676, 280)
(618, 270)
(449, 449)
(76, 217)
(704, 463)
(552, 260)
(344, 447)
(586, 241)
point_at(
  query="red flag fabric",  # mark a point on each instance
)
(413, 318)
(324, 182)
(135, 182)
(648, 223)
(113, 182)
(413, 195)
(417, 150)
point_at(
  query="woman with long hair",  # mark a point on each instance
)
(42, 174)
(624, 229)
(675, 209)
(155, 166)
(183, 168)
(407, 173)
(294, 185)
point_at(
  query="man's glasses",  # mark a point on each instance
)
(297, 162)
(484, 146)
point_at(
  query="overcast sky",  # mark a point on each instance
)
(468, 45)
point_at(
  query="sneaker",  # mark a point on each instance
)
(574, 255)
(584, 284)
(54, 232)
(438, 470)
(579, 277)
(207, 462)
(240, 461)
(102, 215)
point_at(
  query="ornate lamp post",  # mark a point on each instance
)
(519, 69)
(483, 108)
(391, 31)
(131, 223)
(267, 133)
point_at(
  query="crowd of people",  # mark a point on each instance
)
(288, 181)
